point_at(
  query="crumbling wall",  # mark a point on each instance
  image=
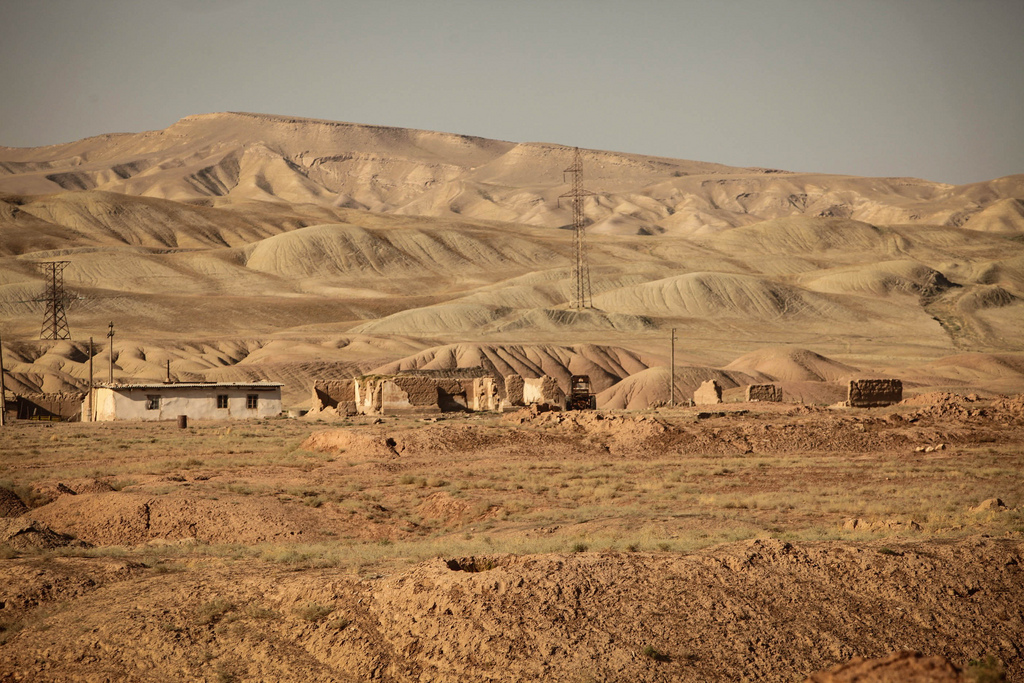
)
(485, 395)
(542, 390)
(514, 390)
(409, 394)
(66, 407)
(764, 392)
(334, 393)
(872, 393)
(708, 393)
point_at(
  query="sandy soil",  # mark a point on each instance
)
(760, 541)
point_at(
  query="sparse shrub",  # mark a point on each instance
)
(339, 624)
(9, 629)
(652, 652)
(987, 670)
(580, 547)
(213, 611)
(313, 612)
(256, 612)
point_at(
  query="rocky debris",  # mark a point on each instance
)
(10, 504)
(930, 449)
(883, 525)
(992, 504)
(899, 667)
(1013, 406)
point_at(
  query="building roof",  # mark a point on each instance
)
(190, 385)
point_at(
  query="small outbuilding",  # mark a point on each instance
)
(197, 400)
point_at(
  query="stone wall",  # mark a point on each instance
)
(708, 393)
(872, 393)
(334, 393)
(411, 394)
(764, 392)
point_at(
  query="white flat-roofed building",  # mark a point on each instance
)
(197, 400)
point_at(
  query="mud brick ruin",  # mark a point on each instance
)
(764, 392)
(872, 393)
(339, 394)
(425, 393)
(708, 393)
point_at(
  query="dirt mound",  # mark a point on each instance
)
(619, 433)
(450, 511)
(793, 364)
(10, 504)
(650, 387)
(450, 616)
(90, 486)
(130, 519)
(937, 398)
(351, 443)
(899, 667)
(26, 534)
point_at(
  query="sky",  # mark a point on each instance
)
(925, 88)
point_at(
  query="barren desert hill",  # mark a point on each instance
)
(228, 157)
(300, 236)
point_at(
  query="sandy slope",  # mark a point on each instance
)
(242, 227)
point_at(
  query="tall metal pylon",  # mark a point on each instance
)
(580, 267)
(55, 323)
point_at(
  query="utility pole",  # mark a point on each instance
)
(672, 373)
(92, 385)
(110, 333)
(580, 267)
(55, 324)
(3, 388)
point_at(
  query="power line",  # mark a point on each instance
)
(55, 322)
(580, 267)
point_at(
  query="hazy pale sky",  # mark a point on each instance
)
(926, 88)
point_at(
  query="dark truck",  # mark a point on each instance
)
(580, 397)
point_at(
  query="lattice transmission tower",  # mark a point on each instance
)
(580, 267)
(55, 323)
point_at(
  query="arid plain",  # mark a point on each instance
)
(633, 543)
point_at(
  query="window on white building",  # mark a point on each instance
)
(252, 401)
(222, 401)
(152, 402)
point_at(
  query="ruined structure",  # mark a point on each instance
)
(764, 392)
(339, 394)
(872, 393)
(440, 392)
(64, 407)
(708, 393)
